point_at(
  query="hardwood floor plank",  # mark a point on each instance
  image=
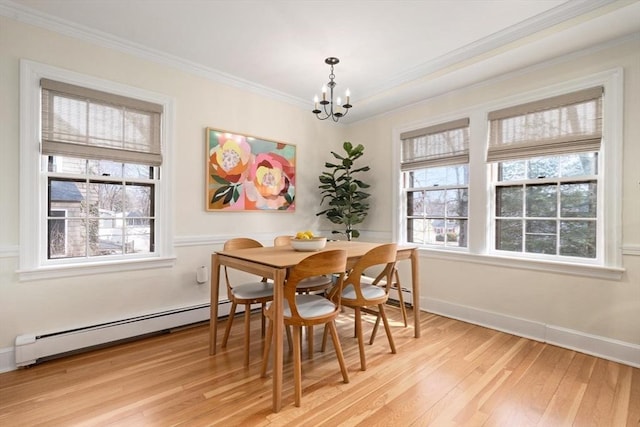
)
(456, 374)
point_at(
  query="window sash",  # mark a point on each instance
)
(563, 124)
(87, 123)
(438, 145)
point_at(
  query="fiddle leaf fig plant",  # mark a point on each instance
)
(343, 191)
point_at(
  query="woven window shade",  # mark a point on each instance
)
(439, 145)
(86, 123)
(563, 124)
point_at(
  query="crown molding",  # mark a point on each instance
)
(544, 21)
(536, 24)
(32, 17)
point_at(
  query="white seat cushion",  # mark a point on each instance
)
(253, 290)
(309, 306)
(368, 292)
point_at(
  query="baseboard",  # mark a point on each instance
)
(605, 348)
(7, 359)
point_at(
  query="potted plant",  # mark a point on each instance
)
(347, 203)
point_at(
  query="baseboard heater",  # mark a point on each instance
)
(31, 348)
(407, 297)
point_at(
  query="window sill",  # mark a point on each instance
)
(593, 271)
(60, 271)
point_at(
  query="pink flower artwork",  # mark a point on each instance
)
(249, 174)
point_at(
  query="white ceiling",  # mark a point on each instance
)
(392, 53)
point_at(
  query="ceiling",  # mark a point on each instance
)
(392, 53)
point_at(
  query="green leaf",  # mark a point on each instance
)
(220, 193)
(220, 180)
(228, 197)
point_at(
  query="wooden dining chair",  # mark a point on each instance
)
(361, 296)
(380, 280)
(302, 310)
(310, 284)
(246, 293)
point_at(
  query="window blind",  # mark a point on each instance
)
(438, 145)
(563, 124)
(87, 123)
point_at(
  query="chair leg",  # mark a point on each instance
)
(375, 329)
(358, 321)
(403, 309)
(297, 365)
(287, 330)
(247, 332)
(324, 338)
(264, 305)
(387, 328)
(232, 313)
(267, 348)
(336, 344)
(310, 340)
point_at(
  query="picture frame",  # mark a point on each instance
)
(249, 174)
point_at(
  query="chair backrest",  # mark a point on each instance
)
(320, 263)
(384, 255)
(238, 243)
(241, 243)
(282, 240)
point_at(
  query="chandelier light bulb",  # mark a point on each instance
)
(327, 104)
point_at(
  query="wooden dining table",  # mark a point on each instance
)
(273, 263)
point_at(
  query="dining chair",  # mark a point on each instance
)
(310, 284)
(305, 286)
(380, 280)
(246, 293)
(361, 296)
(300, 310)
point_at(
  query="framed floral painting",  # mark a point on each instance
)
(246, 173)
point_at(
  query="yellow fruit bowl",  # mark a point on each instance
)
(309, 245)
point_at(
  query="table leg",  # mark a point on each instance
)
(278, 341)
(415, 286)
(213, 319)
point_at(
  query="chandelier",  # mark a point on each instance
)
(329, 108)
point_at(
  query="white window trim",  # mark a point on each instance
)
(481, 193)
(33, 194)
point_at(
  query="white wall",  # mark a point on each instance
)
(608, 311)
(534, 303)
(51, 305)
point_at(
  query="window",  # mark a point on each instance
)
(552, 209)
(530, 181)
(435, 181)
(545, 171)
(108, 207)
(93, 192)
(92, 142)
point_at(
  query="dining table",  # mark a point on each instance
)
(273, 263)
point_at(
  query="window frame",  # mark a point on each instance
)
(558, 218)
(482, 193)
(426, 217)
(33, 262)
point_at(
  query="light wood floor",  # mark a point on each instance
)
(456, 374)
